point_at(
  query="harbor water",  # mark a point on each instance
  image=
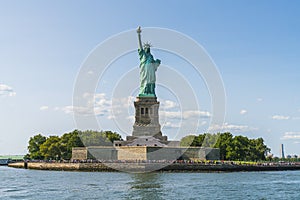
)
(36, 185)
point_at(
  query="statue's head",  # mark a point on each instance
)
(147, 47)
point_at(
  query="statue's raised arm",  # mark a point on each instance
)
(138, 30)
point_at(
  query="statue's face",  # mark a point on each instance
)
(147, 49)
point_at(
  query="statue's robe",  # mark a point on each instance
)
(148, 67)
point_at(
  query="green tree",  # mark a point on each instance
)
(96, 138)
(209, 140)
(51, 149)
(198, 141)
(224, 143)
(112, 136)
(67, 142)
(258, 150)
(55, 147)
(187, 140)
(192, 140)
(240, 148)
(34, 145)
(231, 148)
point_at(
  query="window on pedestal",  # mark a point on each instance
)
(142, 111)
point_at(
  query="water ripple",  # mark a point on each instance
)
(36, 185)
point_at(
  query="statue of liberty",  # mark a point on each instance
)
(148, 67)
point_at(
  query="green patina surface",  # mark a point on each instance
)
(147, 95)
(148, 67)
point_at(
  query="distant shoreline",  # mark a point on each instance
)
(148, 167)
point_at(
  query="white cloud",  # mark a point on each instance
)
(280, 117)
(96, 104)
(171, 125)
(196, 114)
(78, 110)
(98, 99)
(121, 103)
(170, 114)
(6, 90)
(168, 104)
(230, 128)
(185, 114)
(259, 99)
(42, 108)
(242, 112)
(99, 104)
(291, 135)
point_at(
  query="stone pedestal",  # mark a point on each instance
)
(146, 128)
(147, 119)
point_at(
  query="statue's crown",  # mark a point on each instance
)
(147, 45)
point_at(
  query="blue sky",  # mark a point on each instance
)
(255, 45)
